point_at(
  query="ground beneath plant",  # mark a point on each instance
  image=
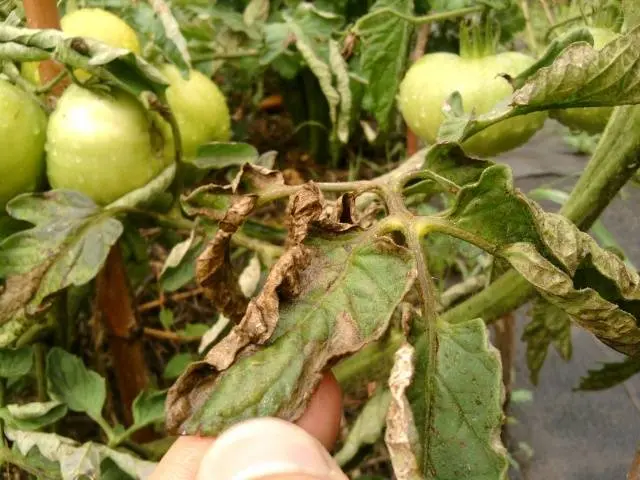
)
(574, 435)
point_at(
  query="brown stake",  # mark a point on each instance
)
(117, 311)
(44, 14)
(115, 302)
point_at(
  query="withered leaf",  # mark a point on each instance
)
(213, 267)
(330, 294)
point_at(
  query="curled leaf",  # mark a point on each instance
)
(402, 437)
(326, 297)
(567, 267)
(213, 267)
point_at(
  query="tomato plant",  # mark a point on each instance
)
(139, 301)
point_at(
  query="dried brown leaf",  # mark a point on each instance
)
(401, 437)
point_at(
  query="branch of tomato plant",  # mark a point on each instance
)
(419, 20)
(613, 164)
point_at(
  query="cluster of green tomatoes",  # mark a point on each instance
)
(106, 144)
(102, 144)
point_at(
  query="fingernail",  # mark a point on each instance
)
(265, 447)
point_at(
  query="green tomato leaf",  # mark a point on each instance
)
(610, 375)
(219, 155)
(72, 383)
(164, 30)
(256, 11)
(118, 66)
(32, 416)
(177, 365)
(456, 393)
(148, 408)
(567, 267)
(15, 362)
(549, 324)
(368, 427)
(385, 44)
(75, 460)
(68, 245)
(326, 297)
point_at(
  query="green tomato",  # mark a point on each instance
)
(199, 107)
(92, 23)
(100, 25)
(102, 145)
(593, 119)
(431, 81)
(23, 127)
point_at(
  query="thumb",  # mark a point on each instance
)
(268, 448)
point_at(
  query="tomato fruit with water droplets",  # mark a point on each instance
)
(102, 145)
(22, 135)
(431, 81)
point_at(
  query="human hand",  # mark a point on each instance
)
(264, 448)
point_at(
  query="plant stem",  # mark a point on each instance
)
(614, 162)
(208, 57)
(40, 360)
(421, 20)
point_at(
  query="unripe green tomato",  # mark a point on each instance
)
(23, 126)
(199, 107)
(592, 119)
(102, 145)
(92, 23)
(100, 25)
(431, 81)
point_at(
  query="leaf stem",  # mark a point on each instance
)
(209, 57)
(419, 20)
(40, 365)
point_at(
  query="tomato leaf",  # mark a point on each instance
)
(385, 43)
(368, 427)
(71, 383)
(72, 235)
(163, 30)
(221, 155)
(327, 296)
(549, 324)
(610, 375)
(32, 416)
(15, 362)
(565, 265)
(76, 460)
(456, 393)
(148, 408)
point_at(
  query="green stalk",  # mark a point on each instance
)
(614, 162)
